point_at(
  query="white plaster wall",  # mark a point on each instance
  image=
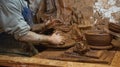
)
(106, 8)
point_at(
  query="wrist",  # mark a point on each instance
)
(44, 39)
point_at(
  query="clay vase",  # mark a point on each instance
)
(98, 39)
(114, 27)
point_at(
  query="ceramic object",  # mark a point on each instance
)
(114, 27)
(98, 39)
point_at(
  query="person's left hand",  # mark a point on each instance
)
(51, 23)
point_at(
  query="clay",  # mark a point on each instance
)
(98, 38)
(114, 27)
(81, 48)
(74, 18)
(70, 19)
(68, 43)
(95, 53)
(94, 57)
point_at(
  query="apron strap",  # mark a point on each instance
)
(27, 14)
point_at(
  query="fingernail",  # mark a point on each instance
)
(62, 43)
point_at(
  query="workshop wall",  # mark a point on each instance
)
(91, 10)
(85, 11)
(76, 11)
(108, 9)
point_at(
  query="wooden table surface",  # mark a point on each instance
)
(7, 60)
(37, 62)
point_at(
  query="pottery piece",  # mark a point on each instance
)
(114, 27)
(98, 39)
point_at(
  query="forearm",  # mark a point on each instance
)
(43, 26)
(38, 27)
(35, 38)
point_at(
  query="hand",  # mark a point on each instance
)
(57, 39)
(32, 37)
(51, 23)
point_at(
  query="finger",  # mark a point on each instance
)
(61, 43)
(56, 33)
(62, 40)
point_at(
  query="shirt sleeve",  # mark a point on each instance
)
(12, 20)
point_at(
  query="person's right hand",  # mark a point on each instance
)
(56, 39)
